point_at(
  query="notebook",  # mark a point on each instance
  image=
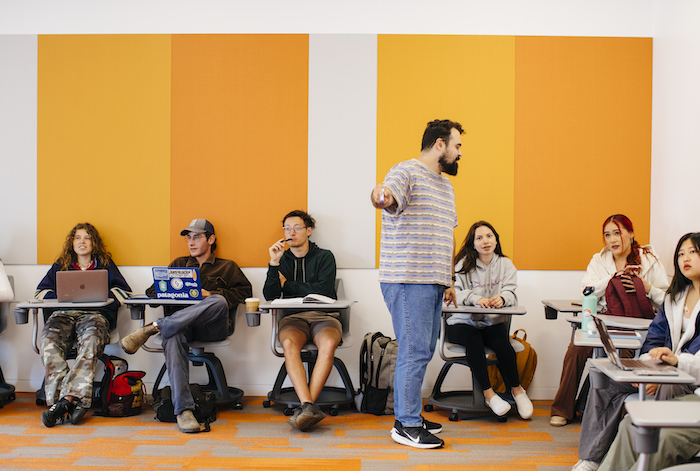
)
(78, 286)
(177, 283)
(646, 367)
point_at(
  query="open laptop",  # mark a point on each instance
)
(177, 283)
(630, 364)
(78, 286)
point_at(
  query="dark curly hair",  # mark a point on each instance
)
(99, 252)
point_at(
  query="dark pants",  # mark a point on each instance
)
(495, 337)
(571, 372)
(206, 321)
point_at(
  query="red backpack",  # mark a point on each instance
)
(622, 303)
(122, 393)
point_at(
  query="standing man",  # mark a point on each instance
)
(224, 286)
(304, 269)
(416, 269)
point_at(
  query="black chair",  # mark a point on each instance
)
(330, 395)
(470, 402)
(226, 396)
(7, 391)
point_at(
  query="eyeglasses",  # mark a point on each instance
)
(295, 228)
(195, 237)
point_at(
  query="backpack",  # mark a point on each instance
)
(622, 303)
(204, 405)
(526, 361)
(377, 365)
(122, 392)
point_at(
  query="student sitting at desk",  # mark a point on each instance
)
(487, 278)
(619, 257)
(69, 390)
(303, 269)
(224, 287)
(673, 337)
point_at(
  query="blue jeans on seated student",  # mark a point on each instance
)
(415, 313)
(206, 321)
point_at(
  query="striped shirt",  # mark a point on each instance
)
(417, 240)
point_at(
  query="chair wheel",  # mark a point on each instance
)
(266, 404)
(333, 412)
(454, 417)
(428, 408)
(238, 406)
(502, 419)
(288, 411)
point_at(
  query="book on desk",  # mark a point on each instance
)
(309, 298)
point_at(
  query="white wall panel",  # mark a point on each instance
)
(343, 145)
(675, 150)
(532, 17)
(18, 115)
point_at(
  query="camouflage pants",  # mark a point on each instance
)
(89, 331)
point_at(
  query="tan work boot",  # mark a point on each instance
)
(187, 423)
(136, 339)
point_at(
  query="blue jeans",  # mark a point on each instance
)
(206, 321)
(415, 313)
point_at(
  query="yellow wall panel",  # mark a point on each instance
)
(582, 145)
(239, 138)
(469, 79)
(104, 143)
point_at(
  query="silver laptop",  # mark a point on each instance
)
(78, 286)
(629, 364)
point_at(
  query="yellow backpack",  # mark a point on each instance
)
(526, 361)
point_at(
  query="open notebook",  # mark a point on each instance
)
(309, 298)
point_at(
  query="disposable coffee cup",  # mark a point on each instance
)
(21, 316)
(251, 304)
(252, 318)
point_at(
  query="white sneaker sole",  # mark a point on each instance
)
(398, 438)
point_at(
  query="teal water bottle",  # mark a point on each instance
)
(589, 305)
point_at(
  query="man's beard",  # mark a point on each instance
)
(450, 169)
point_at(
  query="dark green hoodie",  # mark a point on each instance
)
(311, 274)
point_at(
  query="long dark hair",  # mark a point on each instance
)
(469, 253)
(99, 251)
(620, 220)
(680, 283)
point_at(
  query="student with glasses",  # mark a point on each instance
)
(224, 287)
(304, 269)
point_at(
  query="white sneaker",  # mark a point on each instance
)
(585, 465)
(524, 405)
(498, 405)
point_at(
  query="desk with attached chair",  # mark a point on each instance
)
(470, 402)
(226, 396)
(330, 396)
(7, 391)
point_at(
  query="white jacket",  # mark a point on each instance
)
(601, 269)
(500, 277)
(668, 325)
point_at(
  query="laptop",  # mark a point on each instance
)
(642, 367)
(177, 283)
(78, 286)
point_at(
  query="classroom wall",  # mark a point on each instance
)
(248, 362)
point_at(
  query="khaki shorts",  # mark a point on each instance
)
(311, 322)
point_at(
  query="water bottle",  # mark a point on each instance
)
(589, 305)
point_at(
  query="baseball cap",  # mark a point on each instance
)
(199, 226)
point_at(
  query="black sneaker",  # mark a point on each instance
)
(432, 427)
(417, 437)
(61, 410)
(77, 414)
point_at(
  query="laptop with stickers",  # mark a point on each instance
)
(177, 283)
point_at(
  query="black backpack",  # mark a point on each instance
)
(377, 365)
(204, 405)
